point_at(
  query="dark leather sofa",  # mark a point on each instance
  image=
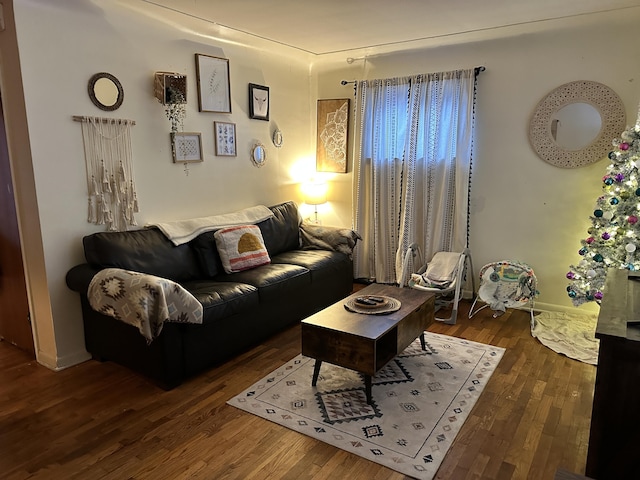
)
(239, 309)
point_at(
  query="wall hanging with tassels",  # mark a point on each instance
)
(112, 198)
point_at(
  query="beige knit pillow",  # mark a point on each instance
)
(241, 248)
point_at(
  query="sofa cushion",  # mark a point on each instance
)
(282, 231)
(241, 248)
(147, 251)
(274, 282)
(322, 264)
(222, 299)
(204, 246)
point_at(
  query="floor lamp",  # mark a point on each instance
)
(315, 193)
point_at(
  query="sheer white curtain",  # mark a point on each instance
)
(413, 168)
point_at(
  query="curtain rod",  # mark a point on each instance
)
(477, 70)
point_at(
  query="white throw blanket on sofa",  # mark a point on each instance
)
(186, 230)
(144, 301)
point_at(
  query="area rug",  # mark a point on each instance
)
(568, 333)
(420, 401)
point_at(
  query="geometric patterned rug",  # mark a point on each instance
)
(420, 401)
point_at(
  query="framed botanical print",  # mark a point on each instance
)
(186, 147)
(214, 86)
(225, 135)
(258, 102)
(331, 143)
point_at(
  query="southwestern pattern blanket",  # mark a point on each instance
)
(142, 300)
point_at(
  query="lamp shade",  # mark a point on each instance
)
(314, 192)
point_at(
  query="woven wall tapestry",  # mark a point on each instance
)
(112, 198)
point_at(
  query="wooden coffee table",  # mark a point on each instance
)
(366, 343)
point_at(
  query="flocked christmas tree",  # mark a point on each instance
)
(613, 241)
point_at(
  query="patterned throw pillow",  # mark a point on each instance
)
(241, 248)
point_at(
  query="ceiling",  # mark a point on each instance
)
(330, 26)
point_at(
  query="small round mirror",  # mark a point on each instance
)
(277, 138)
(105, 91)
(576, 126)
(258, 155)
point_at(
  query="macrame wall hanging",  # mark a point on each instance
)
(112, 198)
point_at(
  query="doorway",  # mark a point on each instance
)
(15, 323)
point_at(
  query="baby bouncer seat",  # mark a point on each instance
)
(506, 284)
(443, 276)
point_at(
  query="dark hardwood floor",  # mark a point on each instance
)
(99, 421)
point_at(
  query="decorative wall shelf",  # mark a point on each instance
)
(167, 82)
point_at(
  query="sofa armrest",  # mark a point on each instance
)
(320, 237)
(80, 276)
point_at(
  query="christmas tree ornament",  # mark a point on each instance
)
(598, 213)
(630, 247)
(607, 215)
(608, 181)
(614, 201)
(624, 146)
(571, 275)
(632, 219)
(605, 236)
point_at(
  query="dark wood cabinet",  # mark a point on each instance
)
(614, 440)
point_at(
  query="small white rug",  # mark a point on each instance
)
(420, 401)
(571, 334)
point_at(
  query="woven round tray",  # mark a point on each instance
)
(387, 305)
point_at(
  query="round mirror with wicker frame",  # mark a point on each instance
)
(602, 98)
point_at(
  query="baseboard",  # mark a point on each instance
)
(60, 363)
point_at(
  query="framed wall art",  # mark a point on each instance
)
(186, 147)
(225, 135)
(258, 102)
(331, 143)
(214, 86)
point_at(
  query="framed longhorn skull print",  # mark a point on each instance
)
(258, 102)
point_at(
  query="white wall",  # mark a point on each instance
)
(521, 207)
(62, 44)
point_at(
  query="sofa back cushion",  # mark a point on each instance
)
(280, 233)
(147, 251)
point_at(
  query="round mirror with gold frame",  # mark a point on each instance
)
(574, 125)
(105, 91)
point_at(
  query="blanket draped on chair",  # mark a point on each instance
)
(142, 300)
(441, 271)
